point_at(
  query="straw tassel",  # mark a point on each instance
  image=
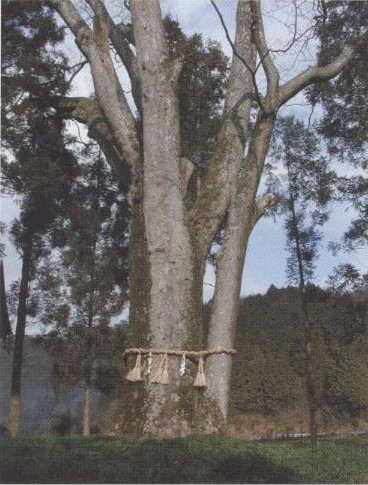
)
(200, 380)
(162, 374)
(135, 374)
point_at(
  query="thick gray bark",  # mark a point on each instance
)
(230, 262)
(95, 47)
(168, 239)
(217, 189)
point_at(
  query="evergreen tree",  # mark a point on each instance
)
(38, 168)
(344, 122)
(80, 302)
(307, 191)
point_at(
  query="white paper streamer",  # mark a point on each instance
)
(149, 364)
(182, 365)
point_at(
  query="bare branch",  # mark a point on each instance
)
(220, 182)
(95, 46)
(272, 74)
(78, 67)
(323, 73)
(241, 58)
(294, 39)
(88, 112)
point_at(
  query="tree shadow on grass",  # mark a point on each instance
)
(253, 468)
(176, 461)
(148, 461)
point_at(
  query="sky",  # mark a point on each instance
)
(266, 256)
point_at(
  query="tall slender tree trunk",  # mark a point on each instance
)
(16, 382)
(309, 382)
(86, 431)
(5, 327)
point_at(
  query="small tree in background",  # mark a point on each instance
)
(81, 299)
(304, 198)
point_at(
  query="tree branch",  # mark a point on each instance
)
(78, 69)
(88, 112)
(271, 71)
(118, 34)
(251, 70)
(71, 16)
(268, 201)
(218, 186)
(323, 73)
(95, 46)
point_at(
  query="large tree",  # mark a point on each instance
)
(170, 239)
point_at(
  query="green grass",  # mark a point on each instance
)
(189, 460)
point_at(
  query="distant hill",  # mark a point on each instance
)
(268, 384)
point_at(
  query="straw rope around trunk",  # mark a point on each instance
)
(179, 353)
(161, 376)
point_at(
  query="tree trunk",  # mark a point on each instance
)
(166, 410)
(176, 409)
(309, 382)
(86, 430)
(15, 393)
(5, 326)
(174, 256)
(87, 408)
(230, 262)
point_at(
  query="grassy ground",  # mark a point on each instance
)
(190, 460)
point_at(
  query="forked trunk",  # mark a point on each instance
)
(169, 282)
(168, 243)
